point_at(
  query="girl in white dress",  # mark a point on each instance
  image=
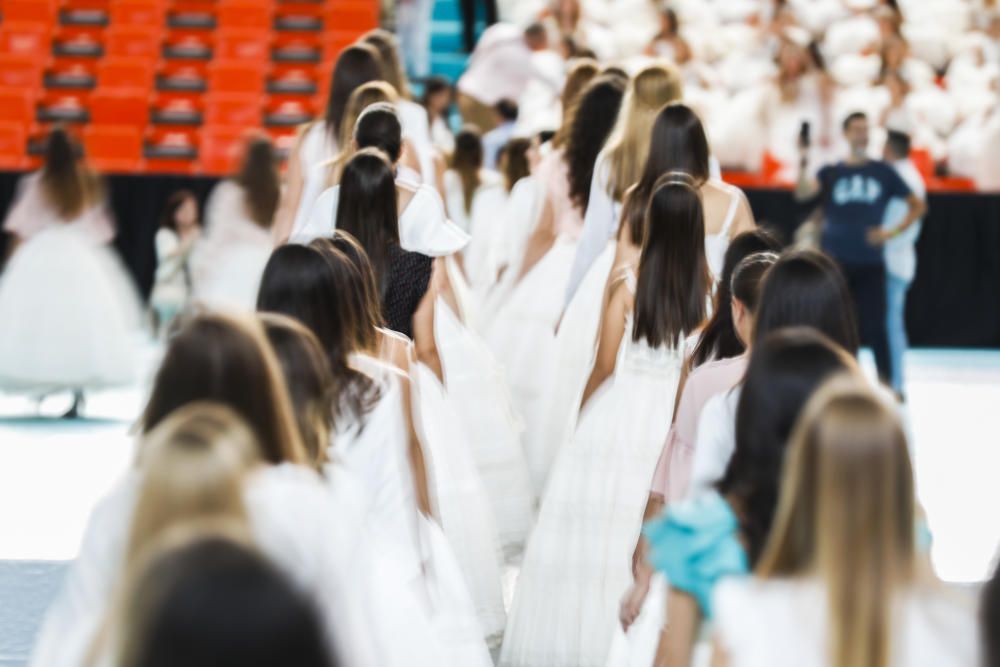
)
(374, 436)
(423, 224)
(318, 142)
(844, 579)
(227, 262)
(522, 335)
(325, 549)
(577, 564)
(475, 198)
(179, 230)
(677, 145)
(70, 312)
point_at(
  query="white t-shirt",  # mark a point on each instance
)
(500, 67)
(715, 441)
(900, 252)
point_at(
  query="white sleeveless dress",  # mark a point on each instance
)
(375, 452)
(578, 562)
(576, 341)
(317, 147)
(70, 312)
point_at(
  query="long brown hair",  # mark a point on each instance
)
(227, 359)
(258, 175)
(467, 161)
(66, 183)
(356, 65)
(673, 280)
(367, 208)
(597, 111)
(650, 89)
(677, 144)
(193, 465)
(307, 375)
(320, 288)
(579, 75)
(368, 303)
(366, 95)
(846, 513)
(392, 66)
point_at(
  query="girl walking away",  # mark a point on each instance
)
(70, 312)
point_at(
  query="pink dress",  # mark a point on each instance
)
(553, 172)
(673, 472)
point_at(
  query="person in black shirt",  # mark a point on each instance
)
(367, 210)
(854, 194)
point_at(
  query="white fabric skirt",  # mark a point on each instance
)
(459, 498)
(577, 565)
(70, 315)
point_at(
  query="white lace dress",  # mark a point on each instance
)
(578, 562)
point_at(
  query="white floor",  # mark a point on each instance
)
(53, 471)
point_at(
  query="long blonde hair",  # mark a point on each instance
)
(193, 465)
(363, 97)
(580, 74)
(846, 514)
(650, 89)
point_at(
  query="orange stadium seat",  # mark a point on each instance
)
(20, 71)
(171, 108)
(132, 73)
(351, 16)
(233, 109)
(234, 76)
(137, 12)
(242, 44)
(220, 148)
(17, 105)
(113, 148)
(33, 11)
(134, 42)
(248, 15)
(127, 107)
(13, 146)
(27, 39)
(63, 106)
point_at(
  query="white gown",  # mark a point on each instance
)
(459, 498)
(70, 312)
(324, 550)
(424, 226)
(316, 148)
(228, 261)
(375, 452)
(475, 386)
(578, 562)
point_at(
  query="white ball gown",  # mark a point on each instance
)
(70, 312)
(375, 451)
(578, 562)
(314, 536)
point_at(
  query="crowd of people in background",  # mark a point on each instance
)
(535, 391)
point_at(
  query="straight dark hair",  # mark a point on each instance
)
(216, 603)
(379, 127)
(357, 64)
(673, 278)
(466, 161)
(310, 286)
(368, 301)
(514, 161)
(367, 209)
(989, 620)
(258, 176)
(678, 143)
(168, 218)
(718, 339)
(806, 288)
(785, 368)
(594, 118)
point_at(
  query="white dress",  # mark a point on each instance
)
(314, 536)
(317, 147)
(375, 452)
(578, 562)
(459, 498)
(475, 386)
(717, 244)
(783, 623)
(70, 312)
(482, 255)
(716, 441)
(228, 261)
(424, 226)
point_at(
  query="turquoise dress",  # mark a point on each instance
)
(695, 543)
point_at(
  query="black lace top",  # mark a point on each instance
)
(409, 275)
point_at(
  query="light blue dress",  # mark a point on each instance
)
(696, 544)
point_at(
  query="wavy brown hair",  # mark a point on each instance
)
(597, 111)
(356, 65)
(68, 185)
(258, 176)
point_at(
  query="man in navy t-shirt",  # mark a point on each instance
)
(854, 195)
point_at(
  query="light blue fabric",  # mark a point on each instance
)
(895, 323)
(695, 544)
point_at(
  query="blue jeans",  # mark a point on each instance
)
(895, 324)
